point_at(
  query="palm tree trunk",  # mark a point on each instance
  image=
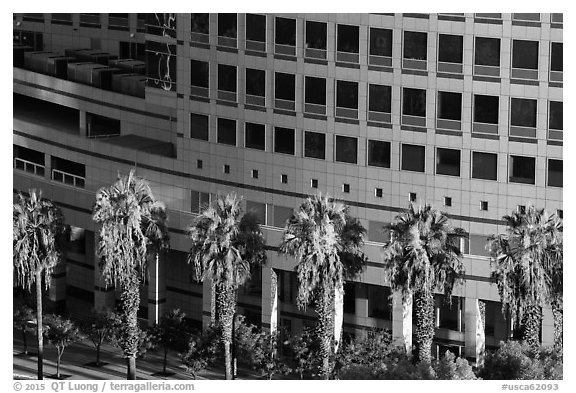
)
(424, 303)
(98, 355)
(226, 307)
(325, 310)
(131, 368)
(25, 342)
(39, 324)
(130, 299)
(58, 364)
(531, 323)
(558, 313)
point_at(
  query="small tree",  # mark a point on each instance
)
(453, 368)
(99, 327)
(303, 352)
(370, 351)
(60, 332)
(23, 321)
(169, 334)
(267, 361)
(202, 351)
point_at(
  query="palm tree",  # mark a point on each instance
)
(555, 269)
(37, 227)
(224, 250)
(422, 256)
(326, 241)
(132, 227)
(527, 267)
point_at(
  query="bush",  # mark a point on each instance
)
(452, 368)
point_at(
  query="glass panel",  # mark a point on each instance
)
(415, 45)
(227, 25)
(199, 23)
(315, 35)
(199, 126)
(380, 98)
(285, 31)
(556, 115)
(314, 145)
(525, 54)
(315, 90)
(523, 112)
(346, 149)
(380, 42)
(256, 82)
(348, 39)
(227, 132)
(285, 86)
(379, 153)
(449, 105)
(346, 94)
(256, 27)
(484, 166)
(486, 109)
(413, 158)
(414, 103)
(284, 140)
(556, 57)
(199, 73)
(448, 162)
(522, 169)
(226, 78)
(555, 173)
(450, 48)
(487, 52)
(256, 136)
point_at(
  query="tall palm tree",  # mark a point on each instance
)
(423, 255)
(555, 267)
(327, 243)
(132, 227)
(37, 226)
(224, 249)
(526, 262)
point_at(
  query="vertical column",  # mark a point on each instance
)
(57, 291)
(402, 320)
(547, 327)
(83, 124)
(269, 299)
(208, 303)
(338, 314)
(156, 288)
(474, 336)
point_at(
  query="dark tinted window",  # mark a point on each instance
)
(314, 145)
(522, 169)
(484, 166)
(286, 31)
(198, 126)
(414, 102)
(525, 54)
(315, 90)
(487, 51)
(348, 38)
(380, 42)
(449, 105)
(379, 153)
(415, 45)
(227, 132)
(380, 98)
(227, 25)
(226, 78)
(255, 82)
(346, 149)
(315, 35)
(347, 94)
(413, 158)
(556, 115)
(523, 112)
(556, 57)
(283, 140)
(450, 48)
(284, 86)
(448, 162)
(256, 27)
(256, 136)
(486, 109)
(555, 173)
(199, 23)
(199, 71)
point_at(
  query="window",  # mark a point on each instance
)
(450, 48)
(486, 110)
(199, 76)
(378, 192)
(415, 52)
(556, 115)
(256, 30)
(346, 188)
(314, 183)
(161, 70)
(227, 131)
(377, 232)
(484, 207)
(560, 213)
(284, 140)
(484, 166)
(199, 164)
(314, 145)
(449, 312)
(556, 57)
(380, 42)
(447, 201)
(117, 21)
(284, 179)
(226, 169)
(487, 56)
(285, 90)
(526, 17)
(524, 59)
(346, 149)
(93, 20)
(379, 302)
(412, 196)
(448, 162)
(257, 209)
(315, 40)
(521, 209)
(347, 99)
(478, 242)
(349, 298)
(449, 105)
(379, 103)
(255, 87)
(199, 126)
(348, 39)
(199, 201)
(315, 91)
(413, 158)
(414, 102)
(28, 160)
(227, 82)
(77, 240)
(281, 215)
(97, 125)
(68, 172)
(523, 112)
(66, 19)
(379, 153)
(285, 36)
(555, 173)
(199, 24)
(255, 136)
(227, 26)
(522, 169)
(133, 50)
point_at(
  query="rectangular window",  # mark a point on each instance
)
(486, 110)
(379, 153)
(28, 160)
(284, 140)
(199, 201)
(350, 298)
(255, 136)
(228, 25)
(199, 126)
(484, 166)
(281, 215)
(285, 36)
(447, 162)
(487, 52)
(314, 145)
(478, 244)
(255, 87)
(346, 149)
(200, 23)
(522, 170)
(199, 77)
(413, 103)
(258, 210)
(526, 17)
(450, 313)
(227, 78)
(161, 66)
(450, 48)
(347, 99)
(316, 40)
(415, 50)
(556, 57)
(315, 91)
(556, 115)
(524, 59)
(92, 20)
(377, 232)
(379, 103)
(227, 131)
(555, 173)
(379, 304)
(284, 90)
(450, 106)
(77, 240)
(256, 29)
(348, 38)
(523, 112)
(66, 19)
(68, 172)
(413, 158)
(380, 42)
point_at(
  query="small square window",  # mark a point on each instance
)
(255, 173)
(199, 164)
(484, 205)
(447, 201)
(521, 209)
(226, 168)
(346, 188)
(314, 183)
(284, 179)
(560, 213)
(378, 192)
(412, 196)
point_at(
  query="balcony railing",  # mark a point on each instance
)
(28, 166)
(68, 178)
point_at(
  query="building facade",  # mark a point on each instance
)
(461, 111)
